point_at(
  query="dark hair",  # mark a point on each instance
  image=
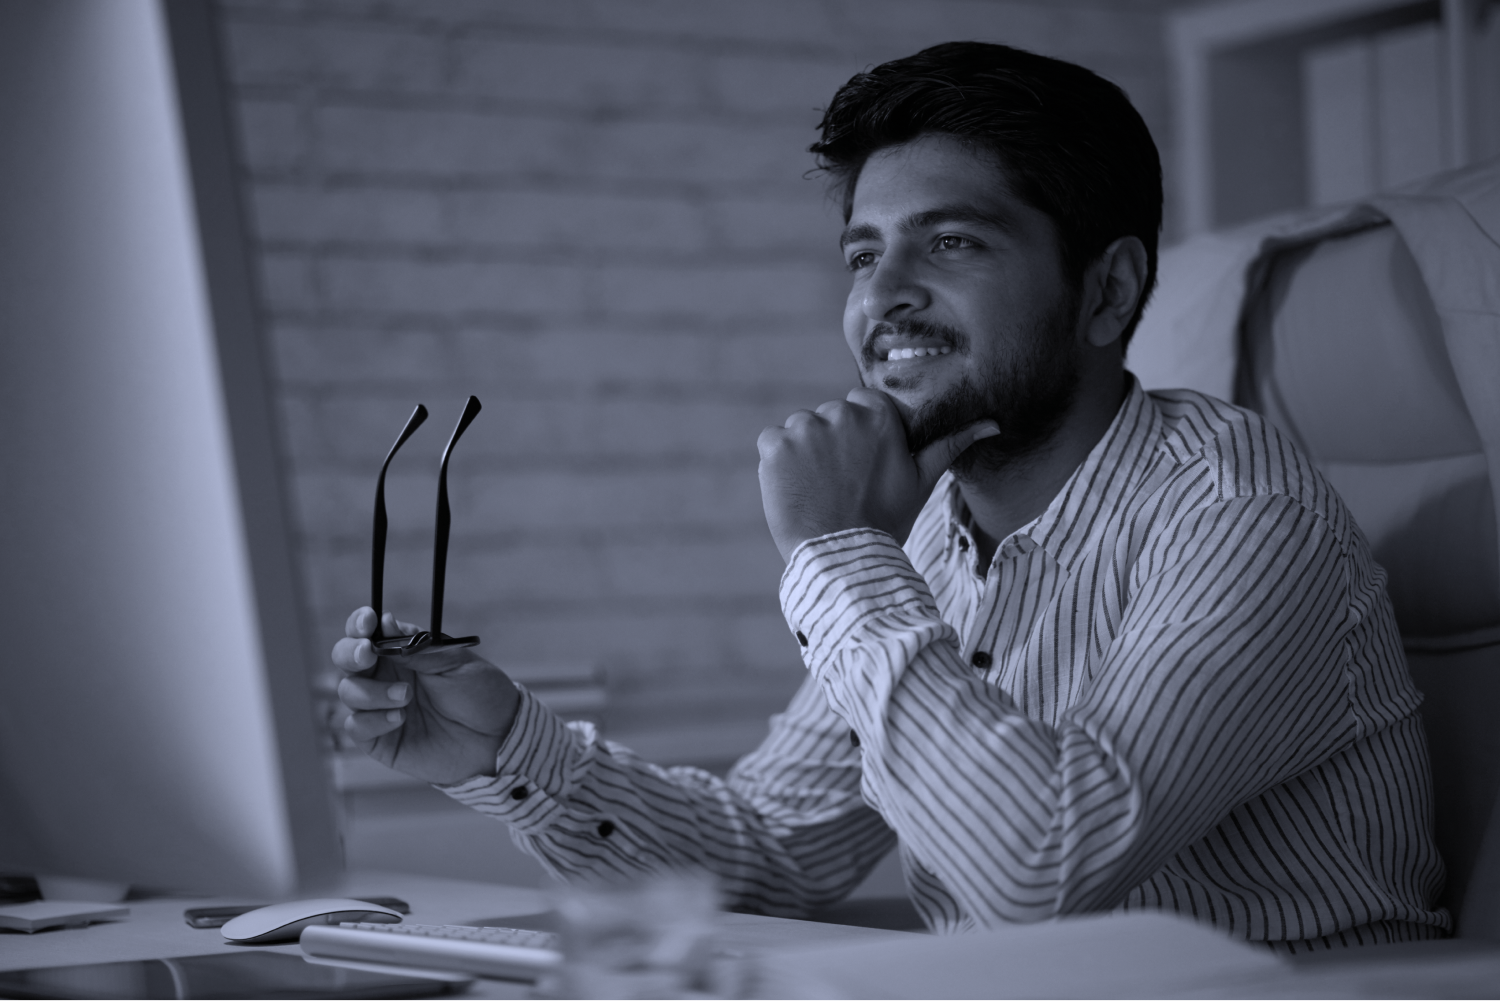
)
(1069, 141)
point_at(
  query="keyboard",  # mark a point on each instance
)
(499, 953)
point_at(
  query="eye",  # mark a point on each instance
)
(863, 259)
(950, 242)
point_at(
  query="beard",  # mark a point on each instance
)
(1027, 392)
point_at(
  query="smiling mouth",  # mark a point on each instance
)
(902, 354)
(910, 340)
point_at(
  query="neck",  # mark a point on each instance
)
(1002, 500)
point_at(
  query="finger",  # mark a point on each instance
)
(391, 627)
(438, 659)
(770, 440)
(800, 417)
(363, 726)
(934, 460)
(873, 399)
(361, 622)
(367, 693)
(353, 655)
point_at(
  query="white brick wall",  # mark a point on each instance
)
(593, 215)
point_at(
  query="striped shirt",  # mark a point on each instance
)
(1181, 687)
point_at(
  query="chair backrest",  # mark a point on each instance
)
(1342, 348)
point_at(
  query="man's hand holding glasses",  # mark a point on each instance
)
(439, 715)
(421, 701)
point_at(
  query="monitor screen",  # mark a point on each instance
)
(156, 726)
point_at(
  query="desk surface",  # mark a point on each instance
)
(156, 929)
(1138, 955)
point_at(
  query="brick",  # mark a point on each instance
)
(412, 13)
(794, 88)
(318, 213)
(564, 360)
(466, 143)
(420, 285)
(702, 152)
(787, 21)
(319, 356)
(818, 359)
(565, 500)
(889, 29)
(341, 428)
(769, 21)
(596, 77)
(346, 55)
(624, 429)
(272, 135)
(595, 358)
(575, 221)
(439, 142)
(336, 504)
(550, 428)
(719, 292)
(680, 569)
(288, 281)
(810, 221)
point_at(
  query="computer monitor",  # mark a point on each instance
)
(156, 725)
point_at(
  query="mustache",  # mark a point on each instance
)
(952, 336)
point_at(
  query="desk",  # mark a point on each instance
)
(156, 930)
(1138, 955)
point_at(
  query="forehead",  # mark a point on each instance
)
(932, 171)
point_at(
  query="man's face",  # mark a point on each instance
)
(960, 308)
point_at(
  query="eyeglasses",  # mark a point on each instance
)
(433, 636)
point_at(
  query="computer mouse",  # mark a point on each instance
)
(284, 922)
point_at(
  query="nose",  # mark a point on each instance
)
(894, 290)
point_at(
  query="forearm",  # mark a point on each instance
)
(1024, 819)
(586, 807)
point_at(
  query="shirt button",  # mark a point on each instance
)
(853, 738)
(606, 828)
(801, 638)
(520, 792)
(981, 659)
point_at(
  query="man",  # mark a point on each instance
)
(1071, 646)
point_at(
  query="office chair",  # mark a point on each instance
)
(1341, 346)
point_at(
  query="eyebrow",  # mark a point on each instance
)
(930, 218)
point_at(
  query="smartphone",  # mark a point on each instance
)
(217, 917)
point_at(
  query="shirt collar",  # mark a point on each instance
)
(1115, 464)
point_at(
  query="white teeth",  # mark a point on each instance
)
(901, 354)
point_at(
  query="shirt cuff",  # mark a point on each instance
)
(530, 784)
(835, 587)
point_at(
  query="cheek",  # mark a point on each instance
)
(854, 324)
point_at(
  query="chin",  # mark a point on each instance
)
(910, 393)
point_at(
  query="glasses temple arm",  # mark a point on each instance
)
(377, 550)
(440, 542)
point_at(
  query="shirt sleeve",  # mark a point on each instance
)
(1225, 678)
(785, 833)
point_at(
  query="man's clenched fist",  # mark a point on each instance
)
(847, 466)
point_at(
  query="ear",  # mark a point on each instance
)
(1114, 283)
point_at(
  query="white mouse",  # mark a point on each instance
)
(284, 922)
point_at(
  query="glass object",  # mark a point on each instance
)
(647, 939)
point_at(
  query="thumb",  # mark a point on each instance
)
(935, 459)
